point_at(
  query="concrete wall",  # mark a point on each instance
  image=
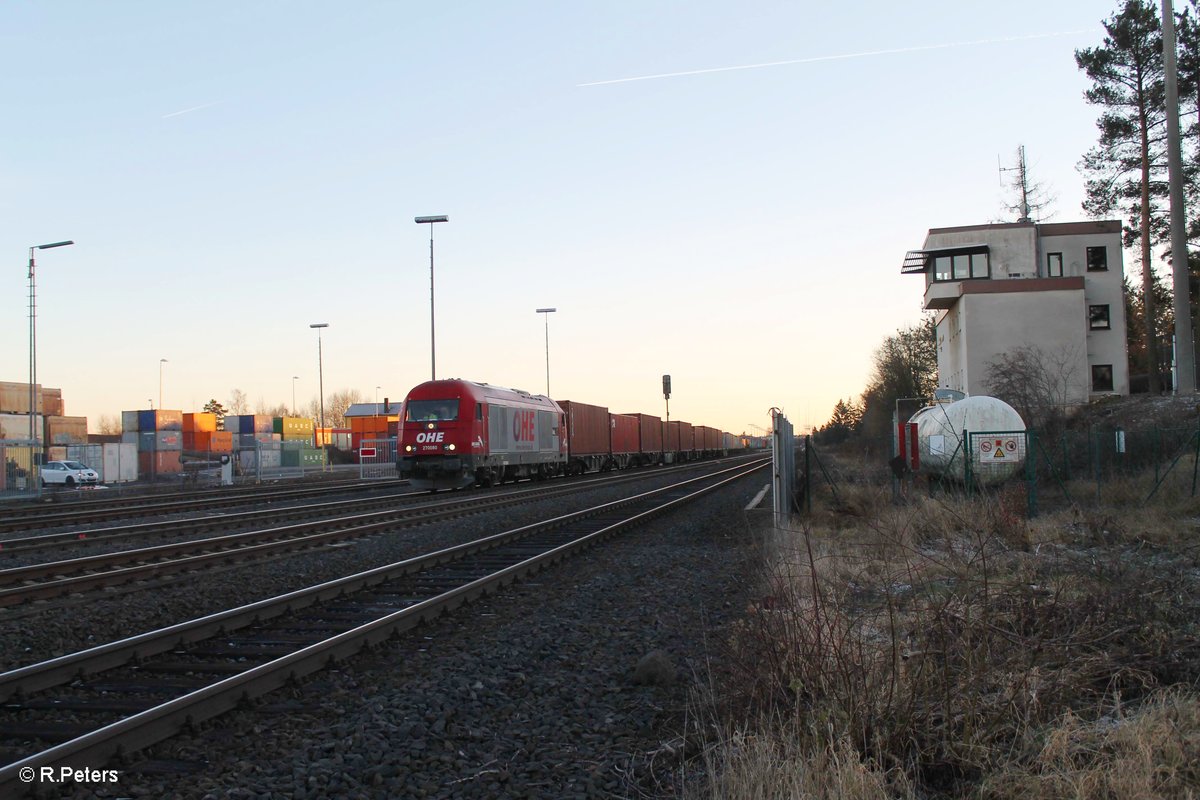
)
(997, 324)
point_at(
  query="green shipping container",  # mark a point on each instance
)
(302, 457)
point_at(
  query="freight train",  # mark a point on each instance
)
(457, 433)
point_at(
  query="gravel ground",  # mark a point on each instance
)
(43, 630)
(535, 693)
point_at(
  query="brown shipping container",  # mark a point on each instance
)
(52, 403)
(671, 438)
(650, 433)
(66, 430)
(687, 437)
(587, 428)
(16, 426)
(14, 398)
(624, 433)
(158, 462)
(200, 422)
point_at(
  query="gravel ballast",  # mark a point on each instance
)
(566, 685)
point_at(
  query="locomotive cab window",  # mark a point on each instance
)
(432, 411)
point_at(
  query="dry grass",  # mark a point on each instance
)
(951, 648)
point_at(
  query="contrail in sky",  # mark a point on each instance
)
(815, 59)
(188, 110)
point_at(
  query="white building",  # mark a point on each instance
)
(1056, 286)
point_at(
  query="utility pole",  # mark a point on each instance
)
(1185, 352)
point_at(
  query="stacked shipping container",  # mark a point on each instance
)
(297, 435)
(382, 426)
(200, 434)
(158, 434)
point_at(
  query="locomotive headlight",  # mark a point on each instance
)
(450, 446)
(408, 448)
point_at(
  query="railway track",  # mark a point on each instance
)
(25, 518)
(40, 581)
(80, 710)
(15, 549)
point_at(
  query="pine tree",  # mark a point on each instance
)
(1126, 171)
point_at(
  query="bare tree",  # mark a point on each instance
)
(277, 410)
(336, 406)
(109, 424)
(238, 403)
(1036, 382)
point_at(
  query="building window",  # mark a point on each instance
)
(979, 265)
(961, 266)
(1098, 318)
(1054, 265)
(1097, 259)
(1102, 379)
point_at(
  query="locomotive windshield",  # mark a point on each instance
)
(431, 411)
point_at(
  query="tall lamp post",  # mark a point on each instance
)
(161, 361)
(33, 332)
(547, 312)
(430, 221)
(320, 371)
(294, 379)
(377, 388)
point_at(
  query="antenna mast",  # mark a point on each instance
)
(1022, 180)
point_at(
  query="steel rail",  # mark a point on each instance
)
(235, 519)
(154, 724)
(118, 508)
(51, 579)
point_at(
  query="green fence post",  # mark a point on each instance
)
(1157, 450)
(1196, 459)
(967, 477)
(1031, 445)
(807, 481)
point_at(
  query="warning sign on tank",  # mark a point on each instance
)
(997, 449)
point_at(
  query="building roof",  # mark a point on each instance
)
(373, 410)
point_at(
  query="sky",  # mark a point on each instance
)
(722, 192)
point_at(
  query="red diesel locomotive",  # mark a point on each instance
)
(456, 433)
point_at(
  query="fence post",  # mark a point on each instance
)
(968, 478)
(807, 472)
(783, 457)
(1031, 445)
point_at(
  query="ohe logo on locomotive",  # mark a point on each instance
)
(523, 426)
(430, 437)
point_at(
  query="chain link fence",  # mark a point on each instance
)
(1094, 468)
(19, 477)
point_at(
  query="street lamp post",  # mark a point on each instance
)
(161, 361)
(377, 388)
(320, 372)
(294, 379)
(33, 332)
(547, 312)
(432, 335)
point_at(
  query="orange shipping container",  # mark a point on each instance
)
(200, 421)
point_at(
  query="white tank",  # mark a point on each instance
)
(995, 458)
